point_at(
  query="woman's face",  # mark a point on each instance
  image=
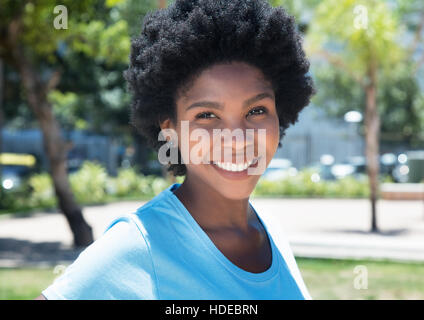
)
(235, 97)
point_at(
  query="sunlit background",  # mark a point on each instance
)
(346, 187)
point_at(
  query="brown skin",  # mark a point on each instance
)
(220, 205)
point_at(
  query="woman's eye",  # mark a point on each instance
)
(210, 115)
(205, 115)
(257, 111)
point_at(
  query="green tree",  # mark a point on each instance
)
(33, 46)
(400, 97)
(362, 42)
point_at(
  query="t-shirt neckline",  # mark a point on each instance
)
(262, 276)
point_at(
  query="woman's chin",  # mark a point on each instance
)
(235, 190)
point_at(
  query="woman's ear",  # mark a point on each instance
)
(166, 124)
(167, 128)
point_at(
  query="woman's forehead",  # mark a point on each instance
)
(226, 80)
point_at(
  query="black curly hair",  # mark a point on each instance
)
(177, 43)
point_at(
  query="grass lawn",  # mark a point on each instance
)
(325, 279)
(337, 279)
(24, 283)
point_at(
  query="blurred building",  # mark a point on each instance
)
(316, 134)
(103, 149)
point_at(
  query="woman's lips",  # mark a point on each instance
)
(235, 175)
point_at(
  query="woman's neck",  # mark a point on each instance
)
(211, 209)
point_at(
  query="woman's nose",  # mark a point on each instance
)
(236, 140)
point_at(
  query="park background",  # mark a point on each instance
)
(346, 187)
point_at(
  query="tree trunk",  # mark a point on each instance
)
(1, 120)
(372, 129)
(1, 125)
(56, 151)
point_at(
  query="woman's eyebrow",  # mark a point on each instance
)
(218, 105)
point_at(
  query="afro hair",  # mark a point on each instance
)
(178, 42)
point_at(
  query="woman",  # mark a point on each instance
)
(204, 65)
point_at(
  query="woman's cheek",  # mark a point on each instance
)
(273, 138)
(199, 149)
(196, 144)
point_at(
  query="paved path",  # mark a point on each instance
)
(336, 228)
(340, 228)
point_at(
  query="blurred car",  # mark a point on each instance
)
(324, 168)
(74, 164)
(354, 166)
(279, 168)
(409, 167)
(401, 173)
(389, 164)
(15, 168)
(392, 165)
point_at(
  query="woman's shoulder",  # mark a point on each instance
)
(114, 258)
(123, 252)
(158, 213)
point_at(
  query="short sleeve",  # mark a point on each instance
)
(116, 266)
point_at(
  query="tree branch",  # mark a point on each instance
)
(35, 89)
(340, 64)
(417, 36)
(419, 64)
(53, 81)
(417, 39)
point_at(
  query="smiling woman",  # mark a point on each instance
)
(239, 99)
(200, 66)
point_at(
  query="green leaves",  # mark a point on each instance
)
(90, 184)
(42, 194)
(114, 43)
(358, 32)
(109, 44)
(348, 38)
(91, 29)
(112, 3)
(305, 184)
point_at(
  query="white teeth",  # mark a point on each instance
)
(233, 167)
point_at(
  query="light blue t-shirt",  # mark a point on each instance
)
(160, 252)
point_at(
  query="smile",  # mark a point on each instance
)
(232, 171)
(232, 167)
